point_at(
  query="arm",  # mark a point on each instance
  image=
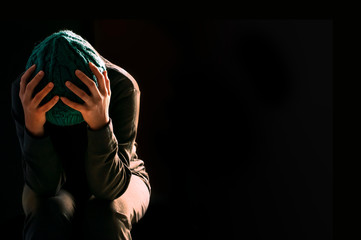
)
(41, 165)
(110, 147)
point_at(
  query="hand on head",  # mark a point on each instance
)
(94, 110)
(34, 113)
(96, 106)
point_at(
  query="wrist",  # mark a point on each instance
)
(36, 131)
(98, 126)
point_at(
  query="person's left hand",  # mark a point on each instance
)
(96, 106)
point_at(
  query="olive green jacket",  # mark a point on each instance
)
(87, 162)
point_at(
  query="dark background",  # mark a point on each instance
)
(235, 125)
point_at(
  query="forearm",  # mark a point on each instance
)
(42, 166)
(106, 166)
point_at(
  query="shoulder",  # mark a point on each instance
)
(120, 79)
(15, 84)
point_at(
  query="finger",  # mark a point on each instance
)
(24, 79)
(99, 77)
(88, 82)
(80, 93)
(49, 105)
(32, 84)
(74, 105)
(107, 82)
(40, 95)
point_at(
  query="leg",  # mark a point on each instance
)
(110, 220)
(47, 218)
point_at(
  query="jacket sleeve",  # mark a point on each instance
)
(110, 149)
(42, 167)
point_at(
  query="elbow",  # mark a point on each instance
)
(110, 194)
(105, 195)
(111, 190)
(44, 190)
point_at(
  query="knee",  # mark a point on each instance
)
(104, 218)
(47, 217)
(60, 205)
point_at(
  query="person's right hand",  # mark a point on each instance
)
(33, 113)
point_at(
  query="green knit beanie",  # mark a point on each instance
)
(59, 55)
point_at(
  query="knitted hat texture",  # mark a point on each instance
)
(59, 55)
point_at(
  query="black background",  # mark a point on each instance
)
(235, 125)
